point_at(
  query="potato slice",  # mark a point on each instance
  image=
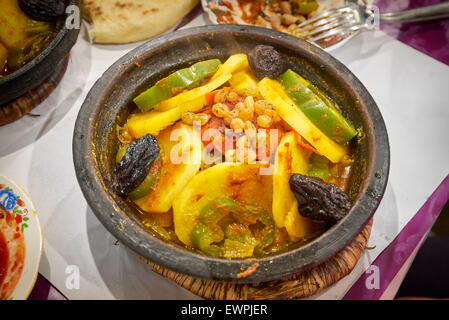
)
(153, 121)
(240, 182)
(181, 160)
(235, 63)
(244, 83)
(290, 158)
(282, 195)
(297, 226)
(186, 97)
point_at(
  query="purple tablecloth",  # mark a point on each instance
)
(43, 290)
(431, 38)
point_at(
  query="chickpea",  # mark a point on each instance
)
(249, 125)
(301, 19)
(249, 102)
(245, 111)
(221, 110)
(239, 105)
(289, 19)
(292, 29)
(249, 105)
(264, 121)
(191, 118)
(221, 95)
(237, 125)
(275, 21)
(273, 115)
(260, 106)
(227, 120)
(231, 115)
(286, 7)
(233, 96)
(234, 113)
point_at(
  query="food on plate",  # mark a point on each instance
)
(280, 15)
(126, 21)
(236, 159)
(22, 38)
(12, 252)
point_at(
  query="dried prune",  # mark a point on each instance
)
(318, 200)
(266, 61)
(43, 10)
(132, 169)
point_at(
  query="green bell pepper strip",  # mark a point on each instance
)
(241, 233)
(203, 236)
(319, 167)
(147, 185)
(240, 242)
(318, 108)
(208, 230)
(175, 83)
(121, 152)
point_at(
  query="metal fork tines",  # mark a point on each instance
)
(332, 22)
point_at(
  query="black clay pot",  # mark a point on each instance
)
(41, 67)
(110, 101)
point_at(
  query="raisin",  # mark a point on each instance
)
(43, 10)
(318, 200)
(266, 61)
(135, 164)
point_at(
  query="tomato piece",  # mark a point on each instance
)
(212, 133)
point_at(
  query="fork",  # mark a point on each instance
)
(336, 24)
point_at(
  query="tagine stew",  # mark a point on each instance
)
(236, 159)
(24, 34)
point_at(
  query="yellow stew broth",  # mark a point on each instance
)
(221, 183)
(21, 38)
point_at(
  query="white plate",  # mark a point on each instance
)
(17, 203)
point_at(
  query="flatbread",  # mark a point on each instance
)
(124, 21)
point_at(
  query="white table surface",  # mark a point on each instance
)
(410, 88)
